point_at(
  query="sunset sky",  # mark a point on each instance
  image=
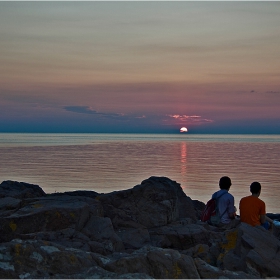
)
(146, 67)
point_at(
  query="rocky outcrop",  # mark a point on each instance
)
(156, 202)
(150, 231)
(20, 190)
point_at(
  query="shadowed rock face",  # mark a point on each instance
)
(20, 190)
(149, 231)
(155, 202)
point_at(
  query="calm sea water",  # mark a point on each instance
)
(109, 162)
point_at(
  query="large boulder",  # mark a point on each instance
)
(155, 202)
(49, 214)
(101, 230)
(35, 259)
(20, 190)
(134, 238)
(180, 235)
(253, 250)
(9, 204)
(39, 259)
(156, 262)
(207, 271)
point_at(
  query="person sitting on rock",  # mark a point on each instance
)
(252, 209)
(226, 206)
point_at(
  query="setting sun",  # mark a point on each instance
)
(183, 129)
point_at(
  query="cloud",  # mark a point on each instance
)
(90, 111)
(190, 119)
(159, 119)
(141, 117)
(80, 109)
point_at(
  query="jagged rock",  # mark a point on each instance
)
(265, 256)
(39, 259)
(85, 193)
(207, 271)
(20, 190)
(156, 202)
(253, 250)
(134, 238)
(199, 207)
(204, 252)
(156, 262)
(50, 214)
(9, 204)
(149, 231)
(180, 235)
(101, 230)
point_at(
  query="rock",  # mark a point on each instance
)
(39, 259)
(207, 271)
(156, 202)
(156, 262)
(147, 232)
(199, 207)
(253, 250)
(180, 236)
(50, 214)
(265, 256)
(20, 190)
(201, 251)
(85, 193)
(8, 204)
(101, 230)
(134, 238)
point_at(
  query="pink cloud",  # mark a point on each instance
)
(194, 119)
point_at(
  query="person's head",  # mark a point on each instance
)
(225, 183)
(255, 188)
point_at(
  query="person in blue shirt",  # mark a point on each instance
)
(226, 204)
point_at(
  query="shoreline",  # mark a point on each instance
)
(118, 235)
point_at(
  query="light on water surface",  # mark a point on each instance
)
(109, 162)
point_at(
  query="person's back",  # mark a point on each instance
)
(226, 204)
(252, 209)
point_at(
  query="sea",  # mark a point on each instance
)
(111, 162)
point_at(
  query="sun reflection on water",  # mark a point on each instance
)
(183, 163)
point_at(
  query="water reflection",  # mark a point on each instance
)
(184, 163)
(107, 165)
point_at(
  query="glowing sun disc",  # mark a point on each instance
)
(183, 129)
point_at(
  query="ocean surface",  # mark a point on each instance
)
(111, 162)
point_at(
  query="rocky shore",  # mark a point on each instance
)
(149, 231)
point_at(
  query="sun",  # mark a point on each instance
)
(183, 129)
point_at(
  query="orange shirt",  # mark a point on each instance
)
(251, 207)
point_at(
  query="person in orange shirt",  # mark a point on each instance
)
(252, 209)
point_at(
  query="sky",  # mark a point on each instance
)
(140, 67)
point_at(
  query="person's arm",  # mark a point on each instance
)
(265, 218)
(262, 219)
(268, 219)
(233, 214)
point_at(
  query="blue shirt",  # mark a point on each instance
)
(225, 204)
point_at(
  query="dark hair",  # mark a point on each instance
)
(255, 187)
(225, 183)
